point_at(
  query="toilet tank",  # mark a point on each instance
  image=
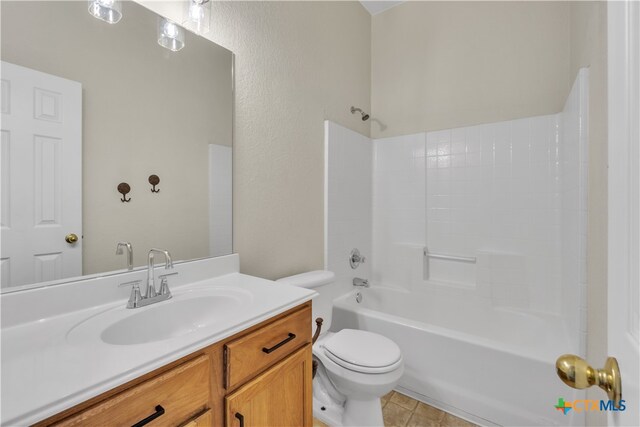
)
(321, 281)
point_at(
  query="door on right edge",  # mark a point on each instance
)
(623, 326)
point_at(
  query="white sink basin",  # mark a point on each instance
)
(183, 314)
(169, 320)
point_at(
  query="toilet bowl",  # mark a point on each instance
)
(355, 368)
(358, 373)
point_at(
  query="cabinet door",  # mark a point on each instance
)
(281, 396)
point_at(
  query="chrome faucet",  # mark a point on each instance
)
(168, 263)
(129, 253)
(361, 283)
(151, 295)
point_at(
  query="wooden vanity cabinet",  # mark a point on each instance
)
(258, 377)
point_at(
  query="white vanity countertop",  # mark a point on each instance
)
(45, 370)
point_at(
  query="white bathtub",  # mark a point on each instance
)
(486, 364)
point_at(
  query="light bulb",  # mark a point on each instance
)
(109, 11)
(197, 16)
(170, 34)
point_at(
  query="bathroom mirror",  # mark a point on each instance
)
(88, 106)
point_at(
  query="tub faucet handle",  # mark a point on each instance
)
(355, 259)
(362, 283)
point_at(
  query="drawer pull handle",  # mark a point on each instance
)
(159, 412)
(280, 344)
(240, 417)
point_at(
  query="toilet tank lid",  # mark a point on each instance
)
(311, 279)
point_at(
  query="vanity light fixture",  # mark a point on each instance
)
(197, 16)
(109, 11)
(170, 34)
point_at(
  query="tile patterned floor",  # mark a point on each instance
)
(399, 410)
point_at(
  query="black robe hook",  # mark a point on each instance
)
(124, 189)
(154, 180)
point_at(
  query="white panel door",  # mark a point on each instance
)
(623, 326)
(41, 176)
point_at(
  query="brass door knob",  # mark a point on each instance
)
(71, 238)
(577, 373)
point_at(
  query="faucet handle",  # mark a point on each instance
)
(162, 276)
(133, 283)
(355, 259)
(136, 296)
(164, 283)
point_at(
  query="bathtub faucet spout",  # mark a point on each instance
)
(363, 283)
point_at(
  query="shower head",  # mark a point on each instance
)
(364, 115)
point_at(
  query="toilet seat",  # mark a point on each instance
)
(363, 351)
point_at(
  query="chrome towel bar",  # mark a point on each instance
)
(471, 260)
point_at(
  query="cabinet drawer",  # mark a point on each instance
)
(203, 420)
(174, 396)
(248, 355)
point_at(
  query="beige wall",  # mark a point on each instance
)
(145, 111)
(588, 24)
(296, 64)
(440, 65)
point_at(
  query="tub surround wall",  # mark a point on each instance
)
(491, 194)
(510, 194)
(348, 194)
(398, 209)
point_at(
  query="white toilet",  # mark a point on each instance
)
(355, 368)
